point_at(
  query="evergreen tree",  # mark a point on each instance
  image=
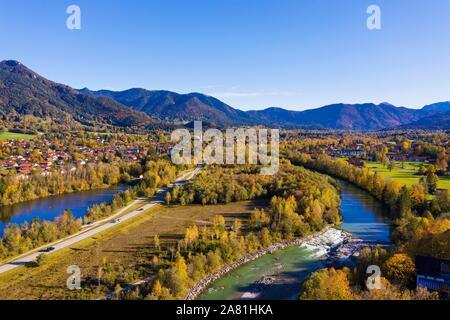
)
(432, 179)
(404, 203)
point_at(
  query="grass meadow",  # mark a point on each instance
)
(406, 173)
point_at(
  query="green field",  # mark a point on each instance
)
(15, 136)
(406, 175)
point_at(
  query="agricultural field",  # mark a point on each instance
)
(14, 136)
(130, 245)
(406, 173)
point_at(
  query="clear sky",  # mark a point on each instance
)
(252, 54)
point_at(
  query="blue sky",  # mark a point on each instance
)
(251, 54)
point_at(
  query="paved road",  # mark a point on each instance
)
(99, 226)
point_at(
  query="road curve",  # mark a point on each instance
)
(99, 226)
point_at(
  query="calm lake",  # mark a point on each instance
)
(363, 217)
(51, 207)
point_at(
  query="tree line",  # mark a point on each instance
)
(15, 189)
(310, 195)
(401, 200)
(20, 239)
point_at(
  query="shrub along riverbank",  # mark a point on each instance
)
(20, 239)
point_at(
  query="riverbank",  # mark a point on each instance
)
(280, 275)
(323, 242)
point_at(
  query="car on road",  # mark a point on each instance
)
(140, 209)
(116, 221)
(229, 227)
(49, 249)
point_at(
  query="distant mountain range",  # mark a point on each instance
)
(439, 121)
(366, 116)
(167, 105)
(22, 91)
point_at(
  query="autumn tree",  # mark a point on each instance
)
(431, 179)
(36, 156)
(442, 160)
(191, 235)
(168, 198)
(178, 276)
(391, 165)
(400, 269)
(157, 242)
(259, 219)
(404, 203)
(406, 145)
(327, 284)
(387, 291)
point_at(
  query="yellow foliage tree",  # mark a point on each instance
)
(327, 284)
(400, 269)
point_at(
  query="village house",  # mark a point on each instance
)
(56, 156)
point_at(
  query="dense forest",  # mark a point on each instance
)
(314, 196)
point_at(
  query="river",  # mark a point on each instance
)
(363, 216)
(50, 207)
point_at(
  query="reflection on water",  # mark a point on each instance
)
(51, 207)
(363, 217)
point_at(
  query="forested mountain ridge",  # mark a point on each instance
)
(437, 121)
(366, 116)
(167, 105)
(25, 92)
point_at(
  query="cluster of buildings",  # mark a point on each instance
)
(24, 157)
(355, 153)
(24, 163)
